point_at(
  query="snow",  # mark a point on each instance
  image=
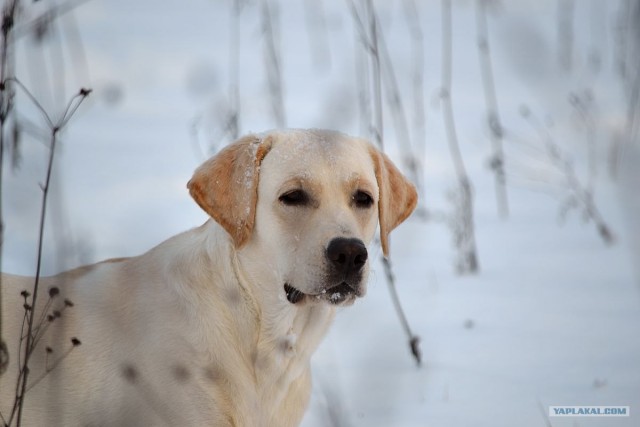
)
(538, 326)
(551, 319)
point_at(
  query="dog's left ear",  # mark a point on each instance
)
(397, 196)
(226, 186)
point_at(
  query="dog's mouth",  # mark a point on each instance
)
(334, 295)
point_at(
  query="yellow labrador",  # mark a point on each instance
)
(215, 326)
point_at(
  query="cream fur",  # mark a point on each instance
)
(198, 331)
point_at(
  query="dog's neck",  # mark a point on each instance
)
(288, 334)
(277, 338)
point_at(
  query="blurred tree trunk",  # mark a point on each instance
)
(462, 221)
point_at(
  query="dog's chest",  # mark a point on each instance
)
(282, 365)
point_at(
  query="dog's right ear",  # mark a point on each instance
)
(226, 186)
(397, 196)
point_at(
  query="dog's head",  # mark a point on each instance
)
(302, 206)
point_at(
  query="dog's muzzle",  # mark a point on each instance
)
(346, 258)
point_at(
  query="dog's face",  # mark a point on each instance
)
(316, 215)
(303, 206)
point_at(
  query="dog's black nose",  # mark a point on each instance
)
(347, 255)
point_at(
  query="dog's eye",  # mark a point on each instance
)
(295, 198)
(362, 199)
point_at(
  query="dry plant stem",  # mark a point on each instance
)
(467, 247)
(363, 84)
(378, 49)
(397, 111)
(371, 41)
(493, 116)
(413, 339)
(633, 105)
(584, 110)
(366, 25)
(596, 18)
(621, 36)
(6, 106)
(272, 62)
(234, 74)
(565, 33)
(378, 121)
(49, 369)
(3, 348)
(30, 338)
(30, 342)
(454, 148)
(49, 14)
(581, 194)
(412, 15)
(4, 352)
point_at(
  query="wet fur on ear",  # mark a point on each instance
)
(226, 186)
(397, 196)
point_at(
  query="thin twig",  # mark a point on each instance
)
(43, 213)
(51, 13)
(493, 115)
(583, 105)
(579, 195)
(378, 127)
(273, 66)
(362, 79)
(367, 27)
(55, 128)
(621, 36)
(6, 106)
(462, 223)
(414, 340)
(410, 159)
(446, 89)
(34, 101)
(233, 123)
(48, 369)
(371, 39)
(412, 15)
(565, 33)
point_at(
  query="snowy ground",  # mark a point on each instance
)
(550, 321)
(553, 317)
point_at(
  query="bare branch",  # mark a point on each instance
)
(367, 26)
(492, 115)
(6, 106)
(273, 65)
(462, 225)
(581, 194)
(396, 107)
(414, 340)
(30, 341)
(366, 23)
(413, 19)
(565, 33)
(233, 123)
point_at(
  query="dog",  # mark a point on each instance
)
(214, 326)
